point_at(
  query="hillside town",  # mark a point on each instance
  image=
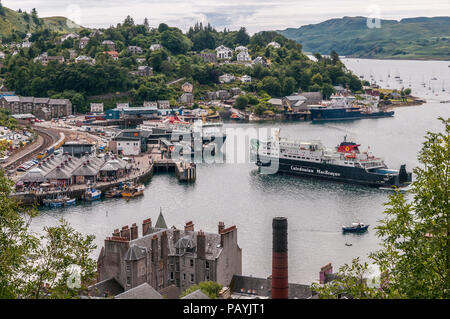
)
(147, 161)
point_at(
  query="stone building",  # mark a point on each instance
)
(169, 256)
(84, 42)
(43, 108)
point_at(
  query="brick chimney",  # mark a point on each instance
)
(176, 236)
(146, 224)
(154, 249)
(164, 246)
(224, 233)
(125, 233)
(189, 226)
(280, 284)
(327, 269)
(134, 232)
(201, 245)
(221, 227)
(116, 233)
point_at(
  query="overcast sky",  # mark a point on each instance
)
(255, 15)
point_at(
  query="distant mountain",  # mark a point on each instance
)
(412, 38)
(11, 21)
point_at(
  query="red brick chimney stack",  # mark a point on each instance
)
(146, 224)
(201, 245)
(189, 226)
(280, 283)
(134, 232)
(125, 233)
(221, 227)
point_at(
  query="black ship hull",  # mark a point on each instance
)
(345, 114)
(354, 175)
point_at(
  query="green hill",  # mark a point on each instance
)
(13, 21)
(412, 38)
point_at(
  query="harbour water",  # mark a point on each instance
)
(316, 210)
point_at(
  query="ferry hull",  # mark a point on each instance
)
(345, 174)
(344, 114)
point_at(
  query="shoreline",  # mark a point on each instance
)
(398, 59)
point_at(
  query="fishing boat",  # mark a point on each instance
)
(114, 193)
(59, 202)
(355, 228)
(133, 191)
(92, 194)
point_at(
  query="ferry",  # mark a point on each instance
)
(92, 194)
(133, 191)
(345, 163)
(341, 108)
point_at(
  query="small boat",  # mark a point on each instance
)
(70, 202)
(92, 194)
(114, 193)
(355, 228)
(59, 202)
(133, 191)
(348, 244)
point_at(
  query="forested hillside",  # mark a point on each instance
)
(412, 38)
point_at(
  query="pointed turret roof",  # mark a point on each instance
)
(161, 222)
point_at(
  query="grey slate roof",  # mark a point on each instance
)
(198, 294)
(109, 287)
(161, 222)
(135, 253)
(262, 288)
(144, 291)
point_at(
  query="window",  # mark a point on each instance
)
(128, 281)
(184, 276)
(192, 277)
(207, 264)
(171, 275)
(192, 262)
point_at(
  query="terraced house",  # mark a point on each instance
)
(43, 108)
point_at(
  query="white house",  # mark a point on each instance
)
(155, 47)
(226, 78)
(241, 48)
(223, 52)
(69, 36)
(243, 56)
(274, 44)
(97, 107)
(151, 104)
(83, 42)
(83, 58)
(246, 79)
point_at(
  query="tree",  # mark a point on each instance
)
(334, 57)
(209, 288)
(38, 267)
(327, 90)
(242, 37)
(241, 102)
(163, 27)
(414, 258)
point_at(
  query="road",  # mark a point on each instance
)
(45, 139)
